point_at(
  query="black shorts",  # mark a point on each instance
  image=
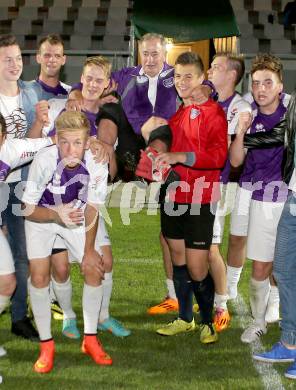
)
(194, 226)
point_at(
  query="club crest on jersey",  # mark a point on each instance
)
(194, 113)
(168, 83)
(259, 127)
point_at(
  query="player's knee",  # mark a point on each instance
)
(39, 280)
(8, 285)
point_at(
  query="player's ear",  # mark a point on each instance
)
(87, 144)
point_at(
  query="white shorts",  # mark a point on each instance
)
(264, 219)
(102, 238)
(239, 220)
(224, 207)
(6, 262)
(41, 238)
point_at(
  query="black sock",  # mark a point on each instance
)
(183, 288)
(204, 292)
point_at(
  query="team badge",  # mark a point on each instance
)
(142, 79)
(194, 113)
(168, 83)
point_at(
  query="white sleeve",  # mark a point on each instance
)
(55, 108)
(39, 175)
(239, 106)
(24, 150)
(98, 177)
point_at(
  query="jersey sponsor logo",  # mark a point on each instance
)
(259, 127)
(232, 114)
(194, 113)
(25, 155)
(168, 83)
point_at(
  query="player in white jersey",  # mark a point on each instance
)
(95, 78)
(225, 73)
(13, 153)
(62, 198)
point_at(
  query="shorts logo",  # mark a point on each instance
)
(199, 243)
(194, 113)
(168, 83)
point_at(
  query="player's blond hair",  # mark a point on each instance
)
(72, 121)
(101, 62)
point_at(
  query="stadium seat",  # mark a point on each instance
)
(80, 42)
(262, 5)
(30, 13)
(58, 13)
(83, 28)
(90, 3)
(33, 3)
(274, 31)
(280, 46)
(249, 45)
(87, 13)
(52, 26)
(21, 26)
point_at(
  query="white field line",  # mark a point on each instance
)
(270, 377)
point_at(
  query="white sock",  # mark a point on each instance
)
(51, 292)
(4, 301)
(40, 302)
(221, 301)
(259, 293)
(233, 274)
(232, 279)
(107, 284)
(91, 304)
(171, 289)
(63, 293)
(274, 297)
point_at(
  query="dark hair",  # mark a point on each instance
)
(8, 40)
(3, 128)
(268, 62)
(234, 62)
(52, 39)
(189, 58)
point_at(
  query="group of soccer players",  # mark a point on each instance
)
(173, 112)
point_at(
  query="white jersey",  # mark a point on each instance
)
(50, 183)
(13, 113)
(16, 152)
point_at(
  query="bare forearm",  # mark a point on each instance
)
(36, 130)
(236, 151)
(39, 214)
(91, 215)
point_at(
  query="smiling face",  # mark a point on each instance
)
(72, 145)
(266, 89)
(152, 55)
(11, 63)
(94, 80)
(187, 77)
(51, 58)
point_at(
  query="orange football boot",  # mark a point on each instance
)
(44, 364)
(164, 307)
(92, 347)
(221, 319)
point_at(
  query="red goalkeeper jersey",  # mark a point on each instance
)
(201, 129)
